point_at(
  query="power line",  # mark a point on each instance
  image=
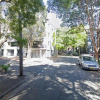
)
(48, 21)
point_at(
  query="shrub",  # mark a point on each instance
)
(5, 67)
(75, 54)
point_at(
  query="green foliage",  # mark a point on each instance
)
(54, 40)
(3, 23)
(58, 38)
(27, 10)
(37, 30)
(73, 12)
(75, 53)
(57, 41)
(5, 67)
(59, 46)
(73, 37)
(76, 12)
(76, 36)
(22, 14)
(56, 4)
(21, 41)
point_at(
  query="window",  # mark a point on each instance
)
(10, 52)
(37, 44)
(85, 58)
(9, 43)
(14, 44)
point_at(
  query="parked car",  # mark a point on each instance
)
(88, 62)
(70, 52)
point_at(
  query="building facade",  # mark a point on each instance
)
(42, 46)
(10, 48)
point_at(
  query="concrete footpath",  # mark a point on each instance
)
(10, 80)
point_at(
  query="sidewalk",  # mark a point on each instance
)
(11, 80)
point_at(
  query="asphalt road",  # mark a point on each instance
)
(4, 61)
(62, 80)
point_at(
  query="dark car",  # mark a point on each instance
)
(70, 52)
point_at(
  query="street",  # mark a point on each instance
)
(46, 47)
(61, 80)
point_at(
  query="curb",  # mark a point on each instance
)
(1, 96)
(17, 85)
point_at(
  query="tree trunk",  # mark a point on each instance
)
(29, 51)
(98, 44)
(79, 50)
(91, 24)
(96, 48)
(97, 56)
(20, 49)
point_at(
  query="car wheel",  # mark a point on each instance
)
(82, 67)
(78, 62)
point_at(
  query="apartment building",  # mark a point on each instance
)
(10, 48)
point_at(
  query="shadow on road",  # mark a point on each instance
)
(62, 80)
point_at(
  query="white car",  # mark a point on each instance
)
(88, 62)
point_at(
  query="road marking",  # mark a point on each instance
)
(42, 71)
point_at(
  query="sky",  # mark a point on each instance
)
(53, 18)
(45, 1)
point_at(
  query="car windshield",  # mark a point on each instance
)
(85, 58)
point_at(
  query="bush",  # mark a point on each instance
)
(5, 67)
(75, 54)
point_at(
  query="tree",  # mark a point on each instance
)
(74, 37)
(35, 31)
(59, 38)
(4, 34)
(22, 14)
(82, 11)
(77, 36)
(3, 21)
(57, 42)
(5, 0)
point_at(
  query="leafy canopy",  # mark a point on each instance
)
(22, 14)
(73, 12)
(73, 37)
(76, 36)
